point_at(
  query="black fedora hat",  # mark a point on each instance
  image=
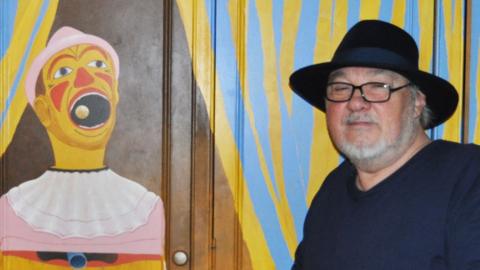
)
(377, 44)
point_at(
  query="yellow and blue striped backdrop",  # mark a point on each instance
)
(24, 29)
(273, 146)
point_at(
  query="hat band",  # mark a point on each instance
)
(373, 56)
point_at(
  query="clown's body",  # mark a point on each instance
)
(119, 216)
(79, 205)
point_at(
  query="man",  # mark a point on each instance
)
(79, 212)
(399, 200)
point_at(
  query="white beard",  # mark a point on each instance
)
(384, 150)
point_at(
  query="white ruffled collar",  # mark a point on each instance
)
(83, 204)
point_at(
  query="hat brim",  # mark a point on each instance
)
(442, 98)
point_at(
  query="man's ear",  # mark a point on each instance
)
(42, 109)
(420, 103)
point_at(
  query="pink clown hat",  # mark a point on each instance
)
(64, 37)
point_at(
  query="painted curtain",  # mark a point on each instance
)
(24, 29)
(273, 146)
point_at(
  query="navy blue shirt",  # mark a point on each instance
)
(426, 215)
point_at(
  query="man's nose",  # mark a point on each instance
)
(82, 78)
(357, 102)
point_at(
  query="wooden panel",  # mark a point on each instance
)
(231, 250)
(179, 117)
(198, 197)
(30, 140)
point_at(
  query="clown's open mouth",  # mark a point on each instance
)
(90, 110)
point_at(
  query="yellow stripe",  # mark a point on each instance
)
(369, 9)
(26, 17)
(17, 263)
(197, 29)
(271, 84)
(323, 156)
(426, 20)
(324, 48)
(454, 39)
(398, 13)
(291, 19)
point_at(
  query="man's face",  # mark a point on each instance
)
(80, 98)
(365, 131)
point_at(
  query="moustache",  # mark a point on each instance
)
(353, 118)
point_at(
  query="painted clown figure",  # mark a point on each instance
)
(79, 213)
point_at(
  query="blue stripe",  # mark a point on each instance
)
(412, 20)
(21, 67)
(306, 35)
(353, 12)
(228, 77)
(292, 160)
(297, 148)
(412, 23)
(412, 26)
(8, 10)
(386, 11)
(441, 68)
(442, 61)
(256, 82)
(292, 164)
(277, 24)
(264, 206)
(211, 6)
(475, 47)
(302, 112)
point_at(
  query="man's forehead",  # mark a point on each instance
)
(343, 72)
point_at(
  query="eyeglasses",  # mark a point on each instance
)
(371, 91)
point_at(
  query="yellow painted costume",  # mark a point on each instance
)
(17, 263)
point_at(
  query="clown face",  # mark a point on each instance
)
(80, 97)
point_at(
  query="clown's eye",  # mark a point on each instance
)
(61, 72)
(97, 64)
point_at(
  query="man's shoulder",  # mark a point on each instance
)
(448, 160)
(454, 150)
(456, 165)
(455, 146)
(441, 151)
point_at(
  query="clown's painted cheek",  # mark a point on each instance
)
(106, 78)
(57, 92)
